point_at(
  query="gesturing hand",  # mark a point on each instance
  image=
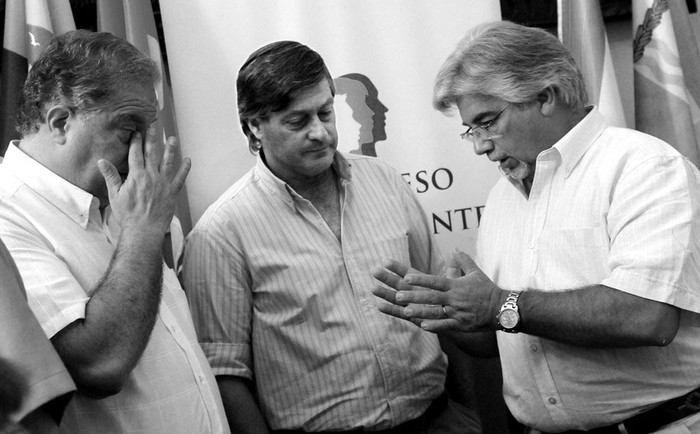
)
(148, 195)
(438, 303)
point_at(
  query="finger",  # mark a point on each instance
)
(423, 311)
(431, 281)
(453, 272)
(397, 267)
(168, 165)
(389, 278)
(439, 325)
(179, 179)
(453, 268)
(151, 151)
(396, 311)
(136, 153)
(422, 296)
(387, 294)
(111, 176)
(392, 309)
(465, 262)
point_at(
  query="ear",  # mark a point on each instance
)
(548, 101)
(57, 119)
(254, 127)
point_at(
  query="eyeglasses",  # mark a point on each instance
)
(482, 131)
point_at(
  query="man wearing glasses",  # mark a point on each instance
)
(587, 253)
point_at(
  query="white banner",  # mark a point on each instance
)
(389, 50)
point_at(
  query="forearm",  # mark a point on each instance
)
(593, 316)
(101, 350)
(240, 405)
(597, 316)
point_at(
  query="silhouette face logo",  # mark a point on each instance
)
(361, 97)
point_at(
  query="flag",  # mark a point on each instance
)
(29, 25)
(666, 84)
(582, 31)
(134, 21)
(14, 70)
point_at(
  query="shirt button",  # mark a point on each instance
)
(531, 245)
(552, 401)
(533, 348)
(201, 378)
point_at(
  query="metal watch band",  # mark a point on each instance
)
(508, 317)
(511, 301)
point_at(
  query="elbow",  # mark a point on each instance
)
(663, 336)
(662, 326)
(100, 381)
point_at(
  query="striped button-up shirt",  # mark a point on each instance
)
(63, 247)
(608, 206)
(278, 298)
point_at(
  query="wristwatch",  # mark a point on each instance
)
(509, 317)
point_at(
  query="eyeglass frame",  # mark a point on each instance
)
(482, 131)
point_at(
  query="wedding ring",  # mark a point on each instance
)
(444, 311)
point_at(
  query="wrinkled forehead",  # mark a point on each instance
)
(136, 101)
(473, 108)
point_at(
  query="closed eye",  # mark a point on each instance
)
(125, 135)
(467, 133)
(326, 115)
(487, 125)
(296, 124)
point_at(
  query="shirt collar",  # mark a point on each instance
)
(579, 139)
(73, 201)
(340, 165)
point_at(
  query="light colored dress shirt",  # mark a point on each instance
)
(608, 206)
(62, 248)
(24, 345)
(270, 285)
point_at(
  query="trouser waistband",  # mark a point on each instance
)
(653, 419)
(413, 426)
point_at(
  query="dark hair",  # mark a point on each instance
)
(269, 78)
(84, 70)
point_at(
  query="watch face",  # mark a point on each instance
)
(509, 319)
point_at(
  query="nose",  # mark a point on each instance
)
(482, 146)
(318, 130)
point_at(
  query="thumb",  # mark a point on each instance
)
(462, 261)
(452, 265)
(111, 176)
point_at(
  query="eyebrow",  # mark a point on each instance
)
(131, 118)
(479, 119)
(327, 104)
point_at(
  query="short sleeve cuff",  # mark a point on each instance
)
(67, 316)
(229, 359)
(652, 289)
(43, 392)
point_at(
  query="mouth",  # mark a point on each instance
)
(507, 162)
(319, 150)
(513, 168)
(498, 158)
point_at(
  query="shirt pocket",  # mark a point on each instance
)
(394, 247)
(573, 257)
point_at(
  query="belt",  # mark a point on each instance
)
(413, 426)
(651, 420)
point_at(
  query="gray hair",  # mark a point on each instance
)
(511, 62)
(84, 70)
